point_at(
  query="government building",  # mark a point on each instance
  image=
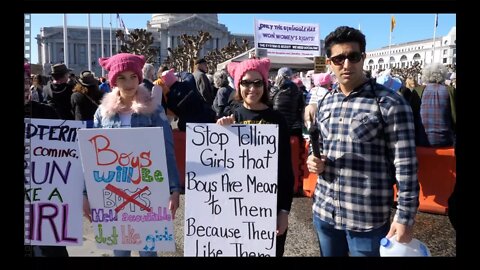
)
(404, 55)
(166, 30)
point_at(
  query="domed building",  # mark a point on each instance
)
(166, 30)
(168, 27)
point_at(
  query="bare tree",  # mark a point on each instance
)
(139, 41)
(183, 57)
(228, 52)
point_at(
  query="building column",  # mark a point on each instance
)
(52, 52)
(71, 56)
(43, 59)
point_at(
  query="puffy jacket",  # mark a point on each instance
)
(289, 101)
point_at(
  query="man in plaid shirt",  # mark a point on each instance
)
(366, 144)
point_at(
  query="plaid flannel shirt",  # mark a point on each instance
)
(368, 138)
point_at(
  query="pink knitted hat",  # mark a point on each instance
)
(322, 79)
(238, 70)
(168, 77)
(122, 62)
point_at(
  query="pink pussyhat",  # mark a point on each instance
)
(168, 77)
(238, 70)
(120, 63)
(322, 79)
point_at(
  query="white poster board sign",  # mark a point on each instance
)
(53, 183)
(231, 190)
(288, 39)
(128, 190)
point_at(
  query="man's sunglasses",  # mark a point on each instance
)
(353, 57)
(248, 84)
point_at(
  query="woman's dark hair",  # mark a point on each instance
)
(344, 34)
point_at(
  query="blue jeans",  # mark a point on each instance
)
(128, 253)
(342, 243)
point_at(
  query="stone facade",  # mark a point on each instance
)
(166, 30)
(404, 55)
(50, 47)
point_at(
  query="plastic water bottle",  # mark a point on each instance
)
(389, 247)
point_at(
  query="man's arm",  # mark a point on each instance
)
(400, 136)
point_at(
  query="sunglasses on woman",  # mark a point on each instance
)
(248, 84)
(353, 57)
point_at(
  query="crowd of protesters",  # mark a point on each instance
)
(354, 109)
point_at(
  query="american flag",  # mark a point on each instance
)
(122, 24)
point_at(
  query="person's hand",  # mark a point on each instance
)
(226, 120)
(86, 209)
(174, 203)
(404, 232)
(282, 222)
(316, 165)
(309, 114)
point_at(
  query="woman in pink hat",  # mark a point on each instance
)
(250, 77)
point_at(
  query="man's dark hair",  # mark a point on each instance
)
(344, 34)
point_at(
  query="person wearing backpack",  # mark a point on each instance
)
(251, 84)
(366, 143)
(289, 101)
(203, 84)
(185, 101)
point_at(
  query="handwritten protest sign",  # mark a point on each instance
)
(288, 39)
(231, 190)
(128, 190)
(53, 183)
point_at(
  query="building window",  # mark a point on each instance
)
(82, 55)
(444, 60)
(445, 52)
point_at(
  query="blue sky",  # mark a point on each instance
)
(376, 27)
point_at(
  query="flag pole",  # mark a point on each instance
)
(101, 41)
(434, 34)
(390, 49)
(111, 48)
(65, 40)
(116, 29)
(89, 44)
(392, 25)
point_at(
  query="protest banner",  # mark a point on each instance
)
(231, 190)
(287, 39)
(128, 189)
(53, 183)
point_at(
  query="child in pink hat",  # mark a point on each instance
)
(130, 105)
(251, 85)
